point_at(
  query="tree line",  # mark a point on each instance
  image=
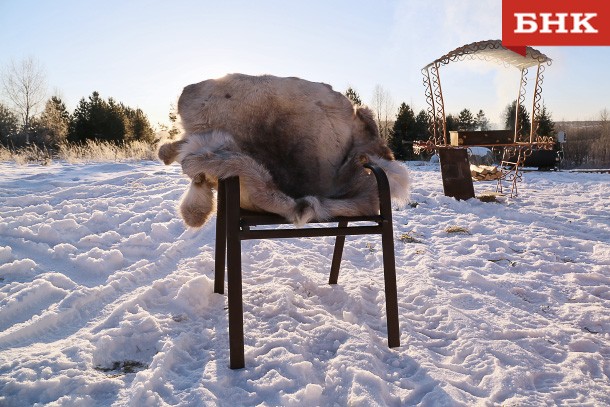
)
(94, 118)
(28, 117)
(588, 143)
(407, 127)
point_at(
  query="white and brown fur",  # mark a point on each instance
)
(297, 146)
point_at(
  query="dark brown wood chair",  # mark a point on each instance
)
(234, 224)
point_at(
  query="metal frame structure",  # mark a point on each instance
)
(491, 50)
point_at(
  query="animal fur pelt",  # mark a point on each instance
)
(297, 146)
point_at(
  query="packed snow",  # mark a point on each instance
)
(106, 299)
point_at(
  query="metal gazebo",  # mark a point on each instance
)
(516, 146)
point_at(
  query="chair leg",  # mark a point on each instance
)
(389, 275)
(221, 239)
(234, 283)
(337, 254)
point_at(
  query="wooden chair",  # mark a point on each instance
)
(233, 225)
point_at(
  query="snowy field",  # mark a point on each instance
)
(106, 299)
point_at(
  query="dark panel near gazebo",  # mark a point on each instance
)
(455, 170)
(481, 138)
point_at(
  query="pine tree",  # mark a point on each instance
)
(422, 126)
(97, 116)
(99, 119)
(92, 120)
(352, 95)
(80, 124)
(8, 125)
(524, 118)
(115, 124)
(403, 133)
(451, 123)
(53, 125)
(139, 127)
(466, 120)
(546, 126)
(481, 121)
(173, 118)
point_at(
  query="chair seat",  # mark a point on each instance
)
(249, 219)
(253, 218)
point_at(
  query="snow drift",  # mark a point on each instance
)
(107, 300)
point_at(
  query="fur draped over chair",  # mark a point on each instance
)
(297, 146)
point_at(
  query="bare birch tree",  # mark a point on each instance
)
(25, 86)
(383, 106)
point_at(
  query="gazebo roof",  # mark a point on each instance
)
(495, 51)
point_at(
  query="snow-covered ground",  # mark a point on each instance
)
(106, 299)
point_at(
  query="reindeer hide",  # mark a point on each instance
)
(298, 147)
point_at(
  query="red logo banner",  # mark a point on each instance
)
(555, 22)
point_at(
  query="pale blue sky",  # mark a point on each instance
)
(143, 53)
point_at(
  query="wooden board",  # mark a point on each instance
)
(477, 138)
(455, 170)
